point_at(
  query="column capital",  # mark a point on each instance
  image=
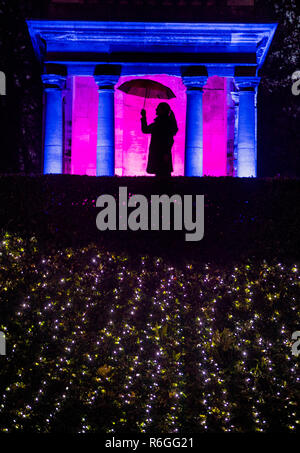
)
(247, 83)
(194, 82)
(53, 81)
(106, 81)
(235, 97)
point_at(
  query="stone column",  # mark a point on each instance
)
(246, 148)
(106, 125)
(53, 136)
(194, 125)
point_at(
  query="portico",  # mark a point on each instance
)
(214, 65)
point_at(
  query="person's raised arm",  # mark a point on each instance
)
(145, 128)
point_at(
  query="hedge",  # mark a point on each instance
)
(99, 342)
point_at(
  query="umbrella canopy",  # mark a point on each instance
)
(147, 88)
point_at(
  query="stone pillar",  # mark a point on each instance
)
(106, 125)
(53, 136)
(194, 125)
(246, 148)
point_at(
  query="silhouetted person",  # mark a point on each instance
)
(162, 131)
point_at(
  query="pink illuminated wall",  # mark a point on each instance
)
(84, 126)
(215, 127)
(131, 144)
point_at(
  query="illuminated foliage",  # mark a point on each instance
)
(100, 342)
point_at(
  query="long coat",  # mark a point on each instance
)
(162, 131)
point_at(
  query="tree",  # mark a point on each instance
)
(21, 107)
(279, 109)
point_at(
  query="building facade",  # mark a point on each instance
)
(93, 128)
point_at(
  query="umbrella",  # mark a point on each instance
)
(147, 88)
